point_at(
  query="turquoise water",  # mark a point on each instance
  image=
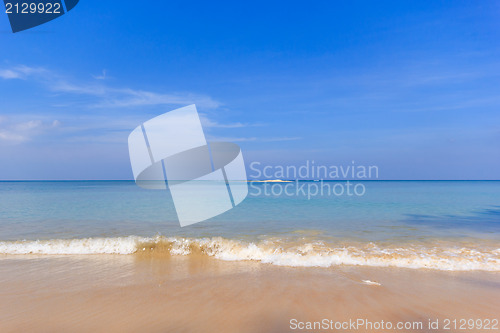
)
(446, 219)
(387, 210)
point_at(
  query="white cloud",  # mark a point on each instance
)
(80, 89)
(263, 139)
(207, 123)
(20, 72)
(28, 126)
(131, 98)
(12, 137)
(9, 74)
(106, 95)
(98, 93)
(24, 131)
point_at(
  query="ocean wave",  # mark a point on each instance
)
(117, 245)
(275, 251)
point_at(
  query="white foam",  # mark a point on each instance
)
(118, 245)
(314, 254)
(371, 283)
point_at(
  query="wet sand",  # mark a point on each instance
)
(148, 293)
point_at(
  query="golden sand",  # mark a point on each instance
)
(196, 293)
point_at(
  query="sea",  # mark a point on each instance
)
(437, 225)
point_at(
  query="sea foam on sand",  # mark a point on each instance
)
(276, 252)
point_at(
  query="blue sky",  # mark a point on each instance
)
(412, 87)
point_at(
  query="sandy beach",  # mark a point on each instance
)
(250, 167)
(196, 293)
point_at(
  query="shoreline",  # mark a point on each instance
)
(299, 250)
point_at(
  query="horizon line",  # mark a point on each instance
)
(250, 180)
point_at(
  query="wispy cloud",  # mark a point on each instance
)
(20, 72)
(106, 96)
(207, 123)
(99, 93)
(9, 74)
(24, 131)
(255, 139)
(11, 136)
(283, 138)
(102, 76)
(131, 98)
(210, 123)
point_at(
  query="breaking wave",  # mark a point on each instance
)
(275, 251)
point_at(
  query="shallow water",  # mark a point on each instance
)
(450, 225)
